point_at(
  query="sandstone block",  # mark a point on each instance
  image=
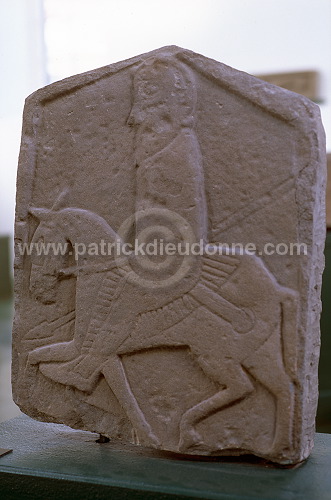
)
(169, 249)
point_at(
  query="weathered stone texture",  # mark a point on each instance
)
(214, 353)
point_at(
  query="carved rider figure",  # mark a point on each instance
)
(212, 310)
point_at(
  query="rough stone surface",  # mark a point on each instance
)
(211, 352)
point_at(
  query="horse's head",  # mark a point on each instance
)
(51, 254)
(66, 243)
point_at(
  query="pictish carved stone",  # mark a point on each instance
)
(169, 249)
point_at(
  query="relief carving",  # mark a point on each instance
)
(221, 313)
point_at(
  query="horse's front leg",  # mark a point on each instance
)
(115, 376)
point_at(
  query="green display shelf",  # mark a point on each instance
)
(50, 461)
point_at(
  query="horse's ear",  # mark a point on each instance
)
(62, 201)
(39, 213)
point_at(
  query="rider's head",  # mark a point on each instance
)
(164, 89)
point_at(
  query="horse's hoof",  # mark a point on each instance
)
(189, 439)
(155, 441)
(65, 375)
(149, 440)
(62, 352)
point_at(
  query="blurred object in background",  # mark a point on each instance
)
(8, 409)
(6, 278)
(328, 195)
(324, 402)
(302, 82)
(22, 67)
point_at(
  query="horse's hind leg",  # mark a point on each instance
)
(237, 387)
(268, 368)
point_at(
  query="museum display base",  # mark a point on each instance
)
(51, 461)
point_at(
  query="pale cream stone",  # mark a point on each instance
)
(212, 353)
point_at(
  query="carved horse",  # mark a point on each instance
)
(238, 322)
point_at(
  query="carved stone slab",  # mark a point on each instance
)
(207, 342)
